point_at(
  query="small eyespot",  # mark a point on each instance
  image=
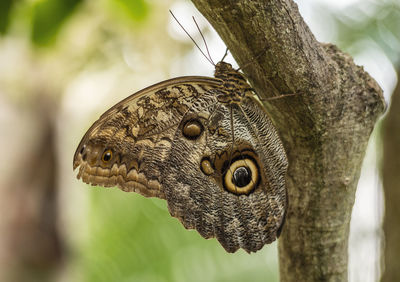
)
(82, 149)
(206, 166)
(107, 156)
(192, 129)
(242, 176)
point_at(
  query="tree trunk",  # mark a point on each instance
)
(325, 128)
(391, 186)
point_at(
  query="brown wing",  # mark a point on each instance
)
(128, 145)
(219, 165)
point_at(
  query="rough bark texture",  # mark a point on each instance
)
(325, 129)
(391, 186)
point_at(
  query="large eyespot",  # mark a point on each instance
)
(242, 176)
(107, 156)
(192, 129)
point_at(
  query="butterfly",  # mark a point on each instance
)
(204, 144)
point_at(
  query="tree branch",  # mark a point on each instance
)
(325, 129)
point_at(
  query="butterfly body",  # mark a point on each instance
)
(205, 145)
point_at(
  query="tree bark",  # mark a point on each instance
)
(325, 128)
(391, 186)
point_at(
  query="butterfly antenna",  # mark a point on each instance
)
(187, 33)
(204, 40)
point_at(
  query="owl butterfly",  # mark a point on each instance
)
(205, 145)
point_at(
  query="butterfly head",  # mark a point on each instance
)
(224, 70)
(234, 86)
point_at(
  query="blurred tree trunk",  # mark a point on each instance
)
(30, 241)
(325, 130)
(391, 186)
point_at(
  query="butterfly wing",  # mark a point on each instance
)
(220, 166)
(128, 146)
(206, 183)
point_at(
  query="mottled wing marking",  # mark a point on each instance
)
(139, 131)
(199, 200)
(201, 203)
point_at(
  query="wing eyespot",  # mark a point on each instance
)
(206, 166)
(82, 149)
(107, 156)
(192, 129)
(242, 176)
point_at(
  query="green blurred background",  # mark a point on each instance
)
(63, 63)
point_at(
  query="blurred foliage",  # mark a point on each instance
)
(5, 9)
(378, 21)
(127, 237)
(135, 239)
(48, 18)
(137, 10)
(114, 236)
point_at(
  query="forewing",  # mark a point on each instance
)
(129, 144)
